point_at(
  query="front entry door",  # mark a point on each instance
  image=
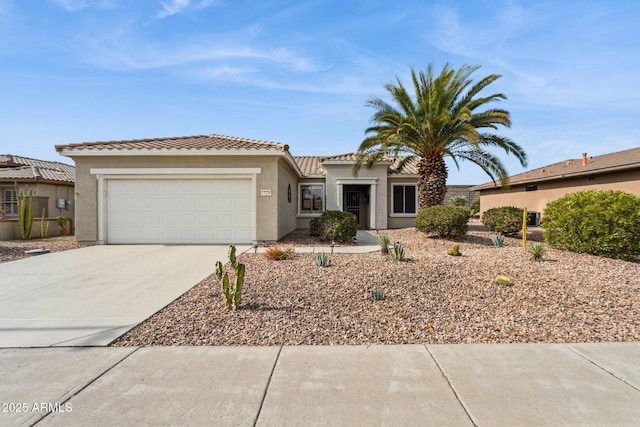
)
(356, 202)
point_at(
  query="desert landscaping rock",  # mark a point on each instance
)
(15, 249)
(430, 298)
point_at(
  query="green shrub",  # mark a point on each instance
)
(449, 220)
(505, 220)
(595, 222)
(334, 225)
(475, 207)
(458, 201)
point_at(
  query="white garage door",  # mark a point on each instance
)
(179, 211)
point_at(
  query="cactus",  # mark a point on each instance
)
(232, 293)
(503, 281)
(25, 212)
(454, 251)
(383, 241)
(498, 240)
(322, 260)
(44, 226)
(398, 252)
(377, 294)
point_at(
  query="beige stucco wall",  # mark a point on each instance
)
(287, 210)
(267, 223)
(552, 190)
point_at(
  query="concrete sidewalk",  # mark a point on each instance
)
(472, 384)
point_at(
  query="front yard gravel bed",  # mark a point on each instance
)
(430, 298)
(11, 250)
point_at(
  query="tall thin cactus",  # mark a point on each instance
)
(25, 212)
(232, 293)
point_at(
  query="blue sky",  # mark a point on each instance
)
(300, 72)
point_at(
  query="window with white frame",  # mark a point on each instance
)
(404, 199)
(311, 198)
(9, 202)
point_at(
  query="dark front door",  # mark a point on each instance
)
(356, 198)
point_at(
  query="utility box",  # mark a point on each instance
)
(62, 204)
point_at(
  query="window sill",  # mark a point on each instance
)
(395, 215)
(308, 215)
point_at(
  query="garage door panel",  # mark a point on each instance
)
(179, 211)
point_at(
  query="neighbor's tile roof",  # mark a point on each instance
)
(627, 159)
(312, 165)
(24, 168)
(198, 142)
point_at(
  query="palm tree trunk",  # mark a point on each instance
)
(432, 183)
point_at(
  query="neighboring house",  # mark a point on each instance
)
(52, 183)
(220, 189)
(534, 189)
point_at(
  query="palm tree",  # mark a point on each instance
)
(441, 121)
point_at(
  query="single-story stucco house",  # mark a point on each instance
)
(220, 189)
(535, 188)
(52, 183)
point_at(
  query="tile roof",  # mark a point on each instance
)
(627, 159)
(24, 168)
(197, 142)
(312, 165)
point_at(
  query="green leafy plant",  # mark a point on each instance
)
(595, 222)
(334, 225)
(449, 220)
(458, 201)
(506, 220)
(536, 250)
(498, 240)
(475, 207)
(44, 226)
(231, 292)
(322, 260)
(279, 253)
(25, 212)
(397, 253)
(454, 251)
(503, 281)
(377, 294)
(383, 241)
(62, 222)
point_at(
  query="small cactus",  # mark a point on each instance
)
(454, 251)
(398, 252)
(232, 293)
(498, 240)
(377, 294)
(322, 260)
(503, 281)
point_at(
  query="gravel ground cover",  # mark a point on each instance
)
(430, 298)
(11, 250)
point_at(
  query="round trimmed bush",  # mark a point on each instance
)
(449, 220)
(506, 220)
(596, 222)
(334, 225)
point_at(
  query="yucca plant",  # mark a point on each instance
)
(536, 250)
(383, 241)
(498, 240)
(398, 252)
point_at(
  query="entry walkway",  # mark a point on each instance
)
(413, 385)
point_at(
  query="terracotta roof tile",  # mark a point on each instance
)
(198, 142)
(17, 167)
(312, 165)
(627, 159)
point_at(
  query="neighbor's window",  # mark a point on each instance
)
(311, 199)
(531, 188)
(404, 199)
(9, 202)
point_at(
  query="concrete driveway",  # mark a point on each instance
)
(91, 296)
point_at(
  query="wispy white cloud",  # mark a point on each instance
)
(75, 5)
(172, 7)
